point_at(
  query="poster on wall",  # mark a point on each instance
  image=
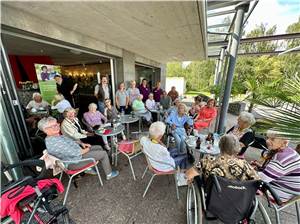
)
(45, 75)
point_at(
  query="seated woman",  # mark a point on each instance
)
(37, 103)
(151, 105)
(177, 120)
(157, 153)
(243, 131)
(206, 115)
(192, 111)
(140, 109)
(95, 119)
(282, 170)
(71, 128)
(225, 165)
(59, 103)
(110, 112)
(165, 101)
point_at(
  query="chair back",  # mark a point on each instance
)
(89, 128)
(222, 192)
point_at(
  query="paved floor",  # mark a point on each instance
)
(120, 200)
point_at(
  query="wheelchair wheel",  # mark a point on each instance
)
(194, 208)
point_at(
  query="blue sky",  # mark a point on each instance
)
(275, 12)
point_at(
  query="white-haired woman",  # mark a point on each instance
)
(243, 131)
(59, 103)
(177, 120)
(157, 153)
(37, 103)
(95, 119)
(226, 164)
(139, 108)
(282, 167)
(71, 128)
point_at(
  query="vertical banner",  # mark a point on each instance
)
(45, 75)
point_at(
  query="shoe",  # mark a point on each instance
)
(112, 175)
(90, 171)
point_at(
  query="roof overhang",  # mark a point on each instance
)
(159, 30)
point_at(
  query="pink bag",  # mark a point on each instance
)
(126, 146)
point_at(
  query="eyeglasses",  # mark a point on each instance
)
(53, 126)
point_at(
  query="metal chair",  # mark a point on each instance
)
(71, 173)
(277, 208)
(159, 173)
(130, 149)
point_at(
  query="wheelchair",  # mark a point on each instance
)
(229, 201)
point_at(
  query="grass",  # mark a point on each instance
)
(195, 93)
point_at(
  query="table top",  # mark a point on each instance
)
(39, 112)
(205, 148)
(114, 131)
(127, 118)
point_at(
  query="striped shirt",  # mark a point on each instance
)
(283, 173)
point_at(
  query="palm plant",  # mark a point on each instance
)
(280, 109)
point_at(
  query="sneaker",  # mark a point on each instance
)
(90, 171)
(112, 175)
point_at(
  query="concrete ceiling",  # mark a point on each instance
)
(59, 55)
(158, 30)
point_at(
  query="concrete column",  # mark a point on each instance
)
(163, 75)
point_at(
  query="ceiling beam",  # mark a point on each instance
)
(256, 53)
(258, 39)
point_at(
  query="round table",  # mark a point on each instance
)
(128, 119)
(213, 150)
(119, 128)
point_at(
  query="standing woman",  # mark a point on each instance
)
(144, 90)
(122, 99)
(102, 92)
(133, 92)
(157, 92)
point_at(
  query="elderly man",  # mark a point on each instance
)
(173, 93)
(282, 169)
(160, 158)
(65, 148)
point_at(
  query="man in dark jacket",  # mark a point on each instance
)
(66, 87)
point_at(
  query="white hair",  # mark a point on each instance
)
(157, 129)
(229, 144)
(43, 123)
(92, 105)
(36, 94)
(275, 134)
(247, 117)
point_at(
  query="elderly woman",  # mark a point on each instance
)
(157, 153)
(59, 103)
(177, 120)
(140, 109)
(122, 99)
(206, 115)
(95, 119)
(226, 164)
(243, 131)
(71, 128)
(133, 92)
(282, 169)
(37, 103)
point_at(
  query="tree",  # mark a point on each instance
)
(293, 28)
(264, 46)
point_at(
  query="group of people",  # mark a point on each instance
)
(280, 166)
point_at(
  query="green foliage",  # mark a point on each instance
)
(294, 28)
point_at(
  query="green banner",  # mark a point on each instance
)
(45, 75)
